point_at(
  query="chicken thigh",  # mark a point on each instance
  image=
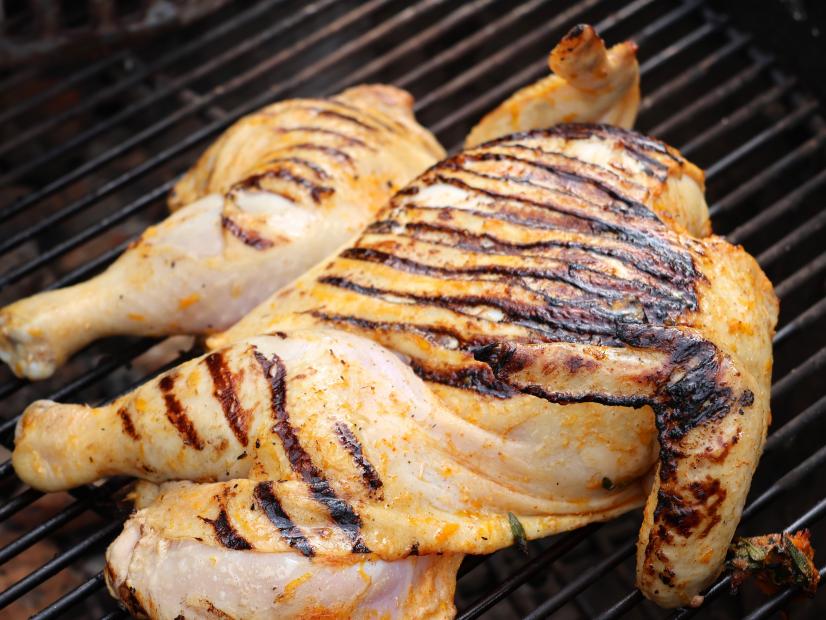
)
(523, 322)
(280, 190)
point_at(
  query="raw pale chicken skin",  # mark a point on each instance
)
(282, 189)
(524, 322)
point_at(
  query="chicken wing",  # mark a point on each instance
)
(589, 84)
(559, 318)
(279, 191)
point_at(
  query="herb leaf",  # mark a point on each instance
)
(518, 532)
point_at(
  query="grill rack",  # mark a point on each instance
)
(95, 173)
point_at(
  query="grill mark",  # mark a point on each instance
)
(176, 414)
(316, 191)
(223, 382)
(636, 144)
(337, 154)
(268, 501)
(477, 378)
(392, 126)
(369, 475)
(576, 163)
(326, 111)
(559, 321)
(484, 242)
(679, 262)
(632, 207)
(301, 462)
(611, 289)
(434, 334)
(248, 237)
(126, 422)
(320, 173)
(349, 140)
(226, 533)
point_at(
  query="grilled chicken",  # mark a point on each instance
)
(280, 190)
(563, 328)
(589, 84)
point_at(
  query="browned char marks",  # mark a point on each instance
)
(176, 414)
(248, 237)
(128, 425)
(369, 475)
(226, 534)
(223, 381)
(254, 182)
(300, 460)
(336, 154)
(266, 498)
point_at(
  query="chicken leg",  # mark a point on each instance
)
(279, 191)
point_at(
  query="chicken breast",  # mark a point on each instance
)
(526, 320)
(279, 191)
(589, 84)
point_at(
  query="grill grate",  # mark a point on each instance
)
(90, 155)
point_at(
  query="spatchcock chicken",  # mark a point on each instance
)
(522, 323)
(280, 190)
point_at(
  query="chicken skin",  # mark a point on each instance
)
(523, 322)
(280, 190)
(589, 84)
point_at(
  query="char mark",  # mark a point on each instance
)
(478, 378)
(347, 139)
(336, 154)
(317, 192)
(369, 475)
(679, 261)
(248, 237)
(223, 382)
(226, 533)
(300, 460)
(290, 532)
(320, 173)
(126, 422)
(638, 259)
(176, 414)
(573, 181)
(566, 323)
(599, 287)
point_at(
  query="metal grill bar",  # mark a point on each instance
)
(802, 276)
(740, 116)
(770, 174)
(712, 98)
(64, 84)
(799, 115)
(779, 209)
(71, 598)
(699, 70)
(187, 111)
(50, 525)
(145, 72)
(53, 566)
(530, 73)
(794, 238)
(778, 601)
(560, 547)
